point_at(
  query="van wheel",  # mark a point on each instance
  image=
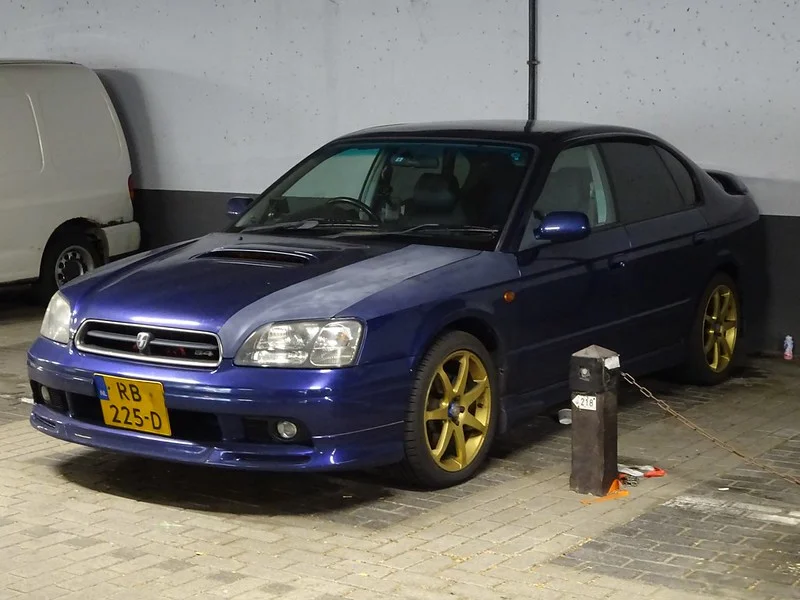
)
(69, 254)
(713, 346)
(452, 414)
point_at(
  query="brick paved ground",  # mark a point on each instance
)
(77, 523)
(18, 325)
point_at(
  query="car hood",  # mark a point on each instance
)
(231, 283)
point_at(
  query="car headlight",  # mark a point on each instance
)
(57, 318)
(302, 344)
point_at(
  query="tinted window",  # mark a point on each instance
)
(341, 175)
(681, 176)
(643, 186)
(434, 187)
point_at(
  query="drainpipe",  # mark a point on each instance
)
(533, 61)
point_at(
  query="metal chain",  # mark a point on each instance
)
(724, 445)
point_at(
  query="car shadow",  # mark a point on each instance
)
(215, 490)
(17, 303)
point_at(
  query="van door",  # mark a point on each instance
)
(21, 166)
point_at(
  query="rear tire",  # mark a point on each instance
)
(69, 254)
(714, 344)
(454, 397)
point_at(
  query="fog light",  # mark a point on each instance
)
(45, 394)
(286, 429)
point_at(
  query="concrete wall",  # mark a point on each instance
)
(224, 95)
(720, 79)
(221, 96)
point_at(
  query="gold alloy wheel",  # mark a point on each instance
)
(458, 407)
(720, 328)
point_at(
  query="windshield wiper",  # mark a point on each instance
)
(424, 228)
(306, 224)
(450, 228)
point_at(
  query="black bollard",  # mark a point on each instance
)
(594, 384)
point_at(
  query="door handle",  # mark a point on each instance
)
(617, 261)
(701, 237)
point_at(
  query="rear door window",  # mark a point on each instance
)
(680, 174)
(643, 186)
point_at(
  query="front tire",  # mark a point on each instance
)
(714, 343)
(453, 413)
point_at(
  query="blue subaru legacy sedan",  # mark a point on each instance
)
(403, 296)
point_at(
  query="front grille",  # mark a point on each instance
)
(146, 343)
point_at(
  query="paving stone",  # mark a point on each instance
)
(687, 551)
(721, 552)
(604, 558)
(673, 583)
(106, 524)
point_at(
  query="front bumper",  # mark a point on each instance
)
(351, 418)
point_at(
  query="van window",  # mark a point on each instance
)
(20, 151)
(78, 128)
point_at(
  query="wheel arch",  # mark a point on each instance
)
(727, 263)
(82, 225)
(729, 266)
(479, 323)
(474, 321)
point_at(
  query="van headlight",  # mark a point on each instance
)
(57, 318)
(302, 344)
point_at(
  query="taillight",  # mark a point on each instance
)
(130, 186)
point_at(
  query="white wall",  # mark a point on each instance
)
(720, 79)
(224, 95)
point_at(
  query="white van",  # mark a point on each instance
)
(65, 175)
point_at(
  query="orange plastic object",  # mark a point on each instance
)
(656, 472)
(614, 492)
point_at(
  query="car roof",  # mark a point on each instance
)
(505, 130)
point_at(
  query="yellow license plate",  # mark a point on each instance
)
(132, 404)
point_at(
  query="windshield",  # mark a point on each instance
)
(425, 189)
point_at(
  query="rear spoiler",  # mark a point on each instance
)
(732, 184)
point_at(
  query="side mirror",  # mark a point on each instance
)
(238, 205)
(563, 226)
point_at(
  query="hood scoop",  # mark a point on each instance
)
(265, 257)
